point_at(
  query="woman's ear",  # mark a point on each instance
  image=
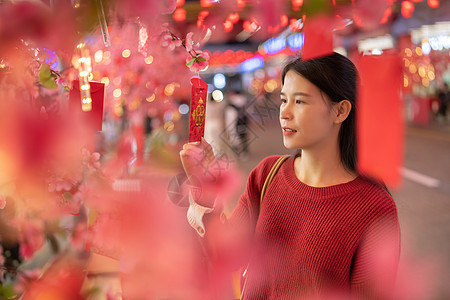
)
(342, 110)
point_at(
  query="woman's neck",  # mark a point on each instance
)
(322, 167)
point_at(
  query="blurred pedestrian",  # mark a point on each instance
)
(237, 123)
(444, 98)
(321, 230)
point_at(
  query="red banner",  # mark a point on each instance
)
(380, 125)
(94, 117)
(318, 37)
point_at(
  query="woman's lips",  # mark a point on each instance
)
(288, 131)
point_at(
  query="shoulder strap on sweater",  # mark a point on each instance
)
(271, 175)
(267, 182)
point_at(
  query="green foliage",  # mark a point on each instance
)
(47, 77)
(317, 7)
(191, 62)
(7, 292)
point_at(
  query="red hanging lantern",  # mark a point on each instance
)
(407, 9)
(433, 3)
(201, 17)
(180, 3)
(179, 14)
(284, 20)
(227, 26)
(294, 25)
(240, 3)
(247, 25)
(233, 18)
(206, 3)
(297, 3)
(387, 14)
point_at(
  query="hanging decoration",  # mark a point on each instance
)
(143, 38)
(82, 62)
(198, 108)
(103, 24)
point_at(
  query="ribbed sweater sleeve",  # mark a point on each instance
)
(375, 261)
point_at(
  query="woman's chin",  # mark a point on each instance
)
(290, 146)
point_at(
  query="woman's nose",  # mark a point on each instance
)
(285, 112)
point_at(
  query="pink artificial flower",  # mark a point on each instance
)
(58, 184)
(81, 194)
(31, 238)
(171, 42)
(79, 236)
(2, 202)
(92, 161)
(25, 277)
(199, 62)
(189, 42)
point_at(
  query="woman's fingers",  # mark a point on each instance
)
(195, 157)
(208, 150)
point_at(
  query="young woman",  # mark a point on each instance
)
(322, 230)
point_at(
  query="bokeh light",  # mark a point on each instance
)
(217, 95)
(126, 53)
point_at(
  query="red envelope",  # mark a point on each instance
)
(198, 109)
(380, 125)
(318, 37)
(93, 118)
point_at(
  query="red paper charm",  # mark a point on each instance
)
(318, 37)
(198, 109)
(93, 117)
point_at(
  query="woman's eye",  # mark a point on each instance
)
(298, 101)
(283, 100)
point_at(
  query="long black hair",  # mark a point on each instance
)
(336, 76)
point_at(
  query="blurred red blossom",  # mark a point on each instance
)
(58, 184)
(145, 9)
(268, 14)
(370, 13)
(90, 160)
(63, 279)
(31, 237)
(150, 239)
(79, 236)
(25, 277)
(36, 23)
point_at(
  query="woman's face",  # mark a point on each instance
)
(306, 114)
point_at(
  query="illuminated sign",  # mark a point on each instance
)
(252, 64)
(296, 41)
(275, 45)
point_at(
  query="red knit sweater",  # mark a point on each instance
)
(310, 242)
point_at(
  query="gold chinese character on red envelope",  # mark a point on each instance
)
(198, 109)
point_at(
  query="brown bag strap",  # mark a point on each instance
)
(267, 182)
(271, 175)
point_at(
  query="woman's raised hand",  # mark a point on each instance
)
(196, 158)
